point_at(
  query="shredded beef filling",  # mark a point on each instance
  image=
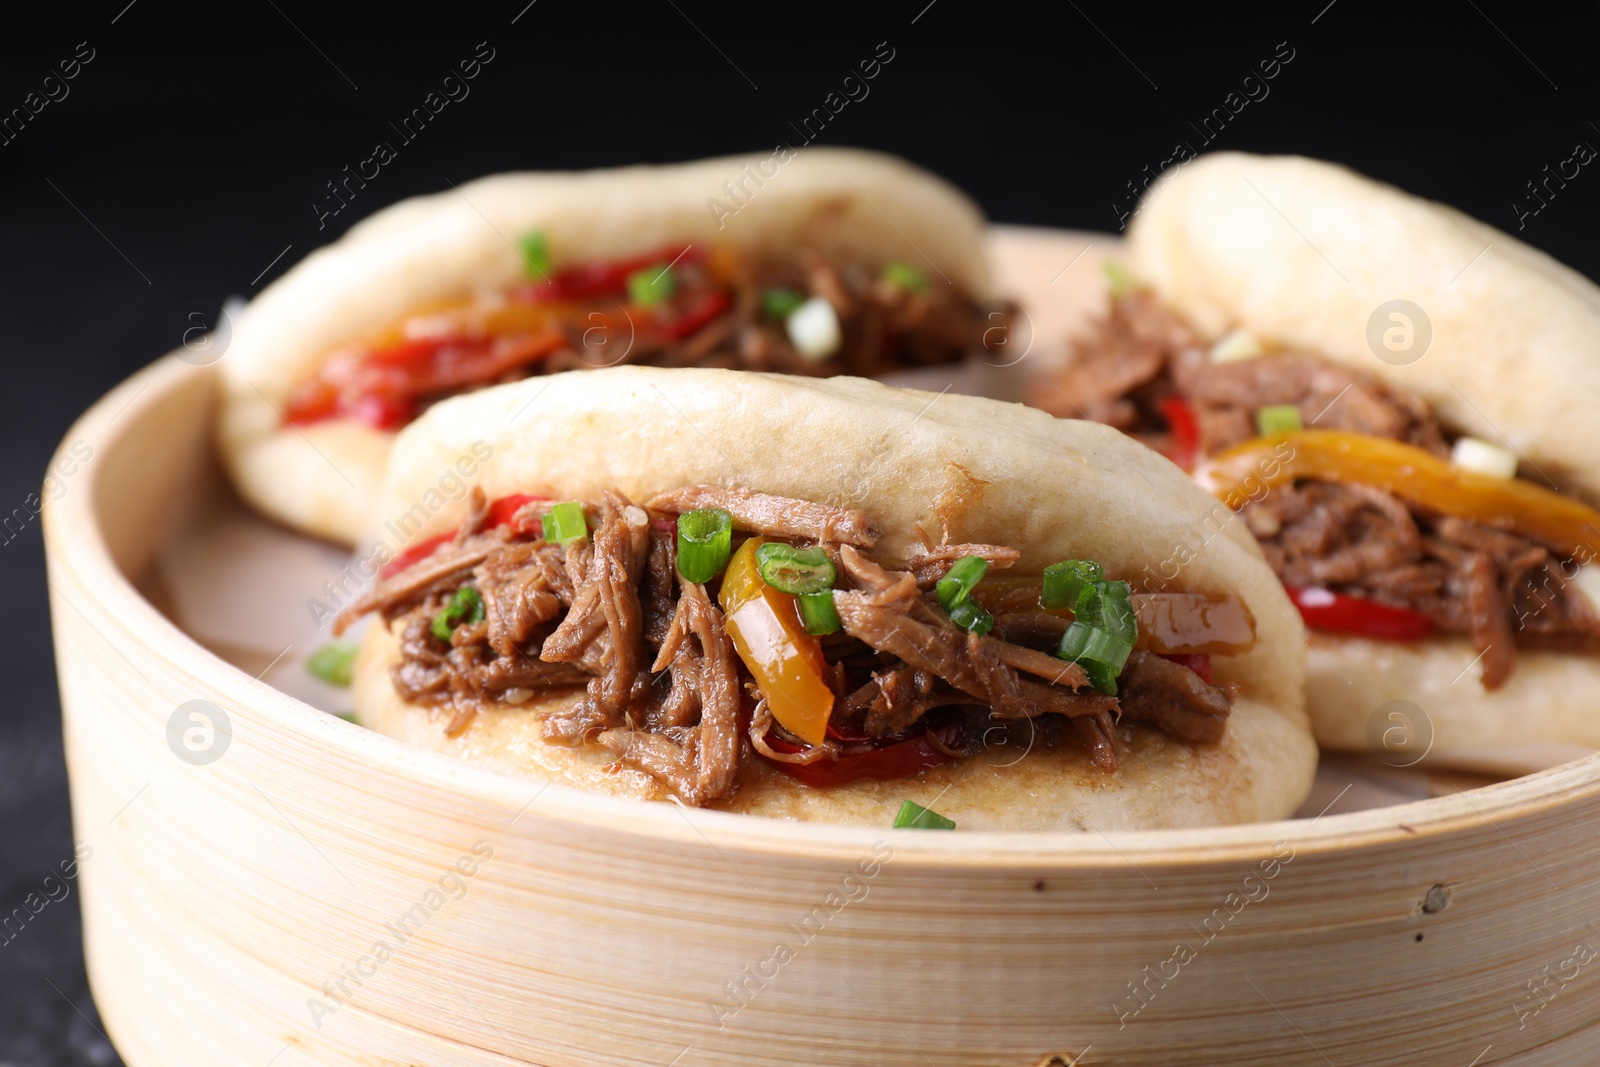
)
(1499, 588)
(713, 318)
(664, 689)
(883, 328)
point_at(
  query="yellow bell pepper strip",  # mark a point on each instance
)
(786, 662)
(1246, 472)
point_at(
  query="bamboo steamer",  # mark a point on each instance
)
(479, 919)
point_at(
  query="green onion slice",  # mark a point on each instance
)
(956, 585)
(652, 285)
(1103, 632)
(817, 613)
(913, 816)
(794, 570)
(705, 540)
(1119, 277)
(1065, 580)
(332, 662)
(969, 615)
(906, 277)
(465, 607)
(535, 254)
(1278, 418)
(565, 523)
(780, 303)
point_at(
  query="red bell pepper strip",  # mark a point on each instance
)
(589, 281)
(694, 313)
(1185, 428)
(415, 554)
(1199, 662)
(410, 354)
(1323, 609)
(386, 386)
(381, 411)
(499, 513)
(312, 401)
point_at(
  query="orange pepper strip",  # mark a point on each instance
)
(764, 624)
(1245, 472)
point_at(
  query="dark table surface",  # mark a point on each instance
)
(192, 144)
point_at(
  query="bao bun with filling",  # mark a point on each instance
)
(1302, 255)
(320, 477)
(983, 470)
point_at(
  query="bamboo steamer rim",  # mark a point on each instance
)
(75, 542)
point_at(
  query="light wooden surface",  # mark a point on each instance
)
(220, 898)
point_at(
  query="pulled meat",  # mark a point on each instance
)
(1142, 353)
(933, 562)
(774, 516)
(1173, 698)
(1498, 588)
(715, 316)
(659, 683)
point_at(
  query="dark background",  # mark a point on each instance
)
(190, 149)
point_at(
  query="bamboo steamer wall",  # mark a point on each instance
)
(478, 919)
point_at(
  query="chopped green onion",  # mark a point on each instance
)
(652, 285)
(465, 607)
(817, 613)
(332, 662)
(1065, 580)
(969, 615)
(780, 303)
(1105, 604)
(913, 816)
(794, 570)
(705, 539)
(1102, 634)
(1278, 418)
(1119, 277)
(906, 277)
(565, 523)
(535, 254)
(958, 581)
(347, 716)
(1096, 651)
